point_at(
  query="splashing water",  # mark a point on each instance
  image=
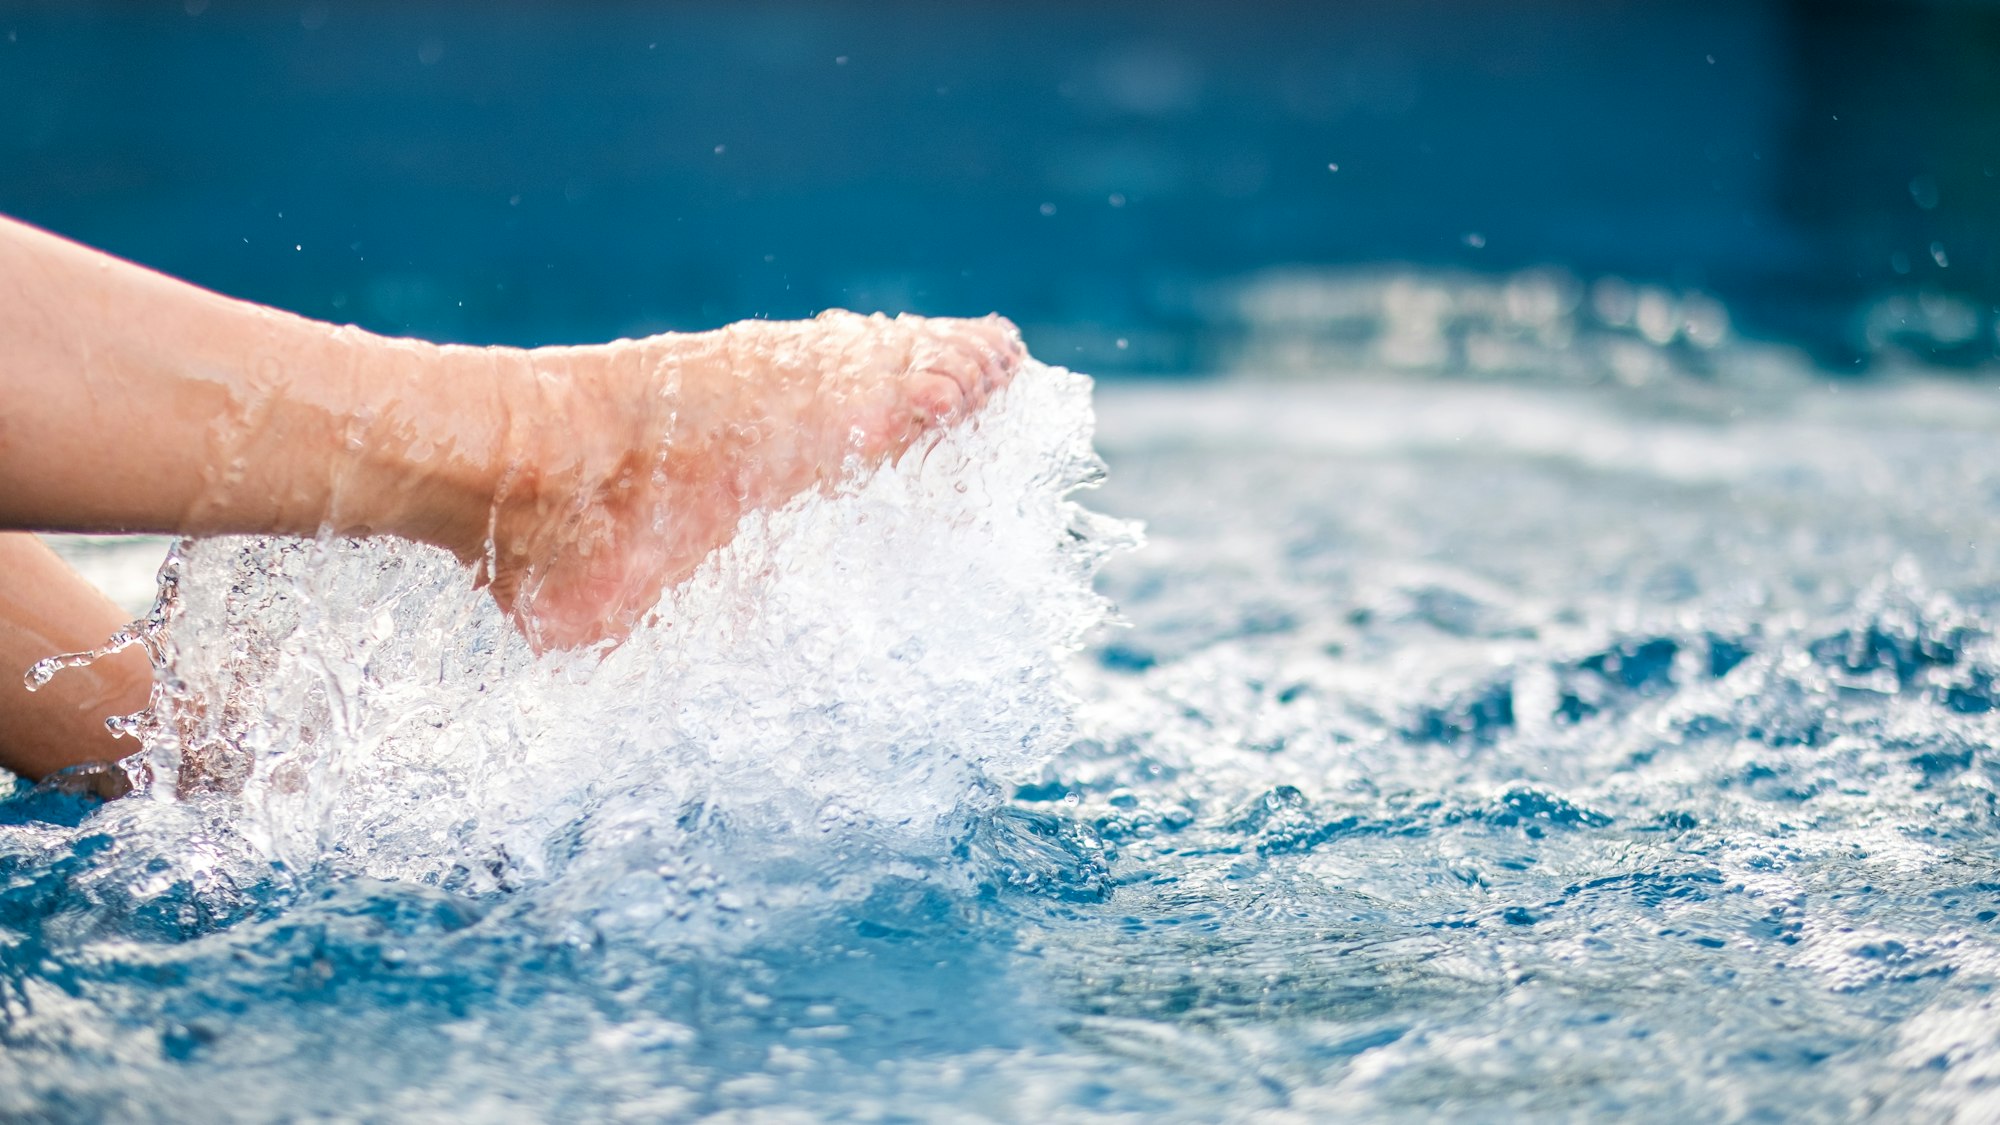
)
(871, 665)
(1490, 750)
(842, 693)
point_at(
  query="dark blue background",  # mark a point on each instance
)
(559, 172)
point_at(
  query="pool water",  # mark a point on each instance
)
(1487, 749)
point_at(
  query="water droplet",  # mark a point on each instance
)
(1048, 209)
(41, 672)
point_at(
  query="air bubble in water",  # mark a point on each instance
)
(879, 664)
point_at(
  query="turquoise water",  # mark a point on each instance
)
(1495, 749)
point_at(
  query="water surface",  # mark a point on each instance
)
(1496, 750)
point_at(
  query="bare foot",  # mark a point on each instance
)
(630, 462)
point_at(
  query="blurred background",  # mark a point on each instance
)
(1148, 188)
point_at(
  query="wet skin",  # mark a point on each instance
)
(577, 483)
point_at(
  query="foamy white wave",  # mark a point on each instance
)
(867, 665)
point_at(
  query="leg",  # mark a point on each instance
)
(580, 481)
(46, 608)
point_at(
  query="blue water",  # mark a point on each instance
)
(527, 172)
(1486, 749)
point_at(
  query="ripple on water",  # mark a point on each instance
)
(1445, 767)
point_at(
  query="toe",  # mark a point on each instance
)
(937, 394)
(966, 363)
(991, 350)
(1005, 351)
(1005, 337)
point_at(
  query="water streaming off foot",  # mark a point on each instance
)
(871, 666)
(1491, 750)
(839, 697)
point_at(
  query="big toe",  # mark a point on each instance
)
(980, 355)
(1000, 343)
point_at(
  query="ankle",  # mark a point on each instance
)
(441, 445)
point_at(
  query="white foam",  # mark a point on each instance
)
(863, 666)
